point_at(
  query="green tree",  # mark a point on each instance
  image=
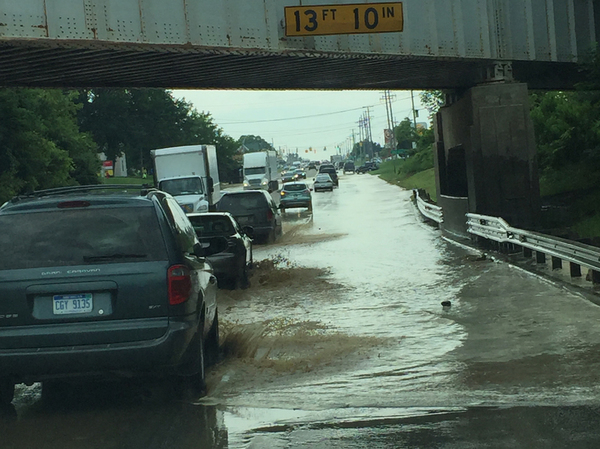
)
(433, 100)
(567, 129)
(254, 143)
(40, 143)
(406, 135)
(136, 121)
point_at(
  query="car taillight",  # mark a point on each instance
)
(180, 284)
(269, 215)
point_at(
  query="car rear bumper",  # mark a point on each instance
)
(155, 355)
(224, 264)
(295, 203)
(263, 230)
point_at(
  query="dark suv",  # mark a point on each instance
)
(254, 208)
(102, 280)
(331, 171)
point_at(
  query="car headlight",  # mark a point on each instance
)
(246, 183)
(264, 182)
(203, 208)
(282, 193)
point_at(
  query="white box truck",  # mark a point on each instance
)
(189, 173)
(260, 171)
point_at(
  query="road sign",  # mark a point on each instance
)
(343, 19)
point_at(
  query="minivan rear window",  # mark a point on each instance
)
(243, 201)
(80, 237)
(294, 187)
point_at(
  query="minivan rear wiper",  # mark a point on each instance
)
(113, 256)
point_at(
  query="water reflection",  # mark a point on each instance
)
(113, 415)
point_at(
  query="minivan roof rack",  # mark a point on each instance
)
(143, 189)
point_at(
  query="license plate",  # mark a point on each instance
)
(243, 220)
(67, 304)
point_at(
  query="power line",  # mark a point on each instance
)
(290, 118)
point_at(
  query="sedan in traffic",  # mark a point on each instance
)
(323, 182)
(226, 245)
(295, 194)
(288, 176)
(299, 174)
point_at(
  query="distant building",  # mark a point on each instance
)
(117, 169)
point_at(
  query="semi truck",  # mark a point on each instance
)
(260, 171)
(189, 173)
(336, 159)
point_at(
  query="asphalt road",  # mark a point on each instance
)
(341, 342)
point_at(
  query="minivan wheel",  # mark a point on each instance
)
(195, 382)
(211, 348)
(7, 391)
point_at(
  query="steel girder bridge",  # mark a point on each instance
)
(291, 44)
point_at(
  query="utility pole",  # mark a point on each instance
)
(394, 143)
(370, 135)
(414, 112)
(390, 121)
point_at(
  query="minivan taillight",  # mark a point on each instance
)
(180, 284)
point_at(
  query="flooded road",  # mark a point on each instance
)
(342, 341)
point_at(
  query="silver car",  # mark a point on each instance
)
(323, 182)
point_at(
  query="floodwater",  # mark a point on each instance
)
(342, 342)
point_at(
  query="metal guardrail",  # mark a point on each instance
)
(498, 230)
(429, 210)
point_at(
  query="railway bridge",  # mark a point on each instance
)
(485, 53)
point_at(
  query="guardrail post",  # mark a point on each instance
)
(575, 270)
(556, 263)
(527, 252)
(540, 257)
(595, 275)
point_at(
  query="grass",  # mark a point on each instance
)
(571, 178)
(391, 171)
(576, 188)
(588, 228)
(133, 180)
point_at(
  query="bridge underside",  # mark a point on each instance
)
(73, 64)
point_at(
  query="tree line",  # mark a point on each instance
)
(52, 137)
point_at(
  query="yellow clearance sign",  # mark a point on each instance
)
(343, 19)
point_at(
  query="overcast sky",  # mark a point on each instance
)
(301, 119)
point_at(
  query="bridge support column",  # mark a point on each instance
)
(485, 154)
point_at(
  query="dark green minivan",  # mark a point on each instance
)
(102, 280)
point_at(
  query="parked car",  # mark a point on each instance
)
(349, 167)
(323, 182)
(254, 208)
(331, 171)
(97, 280)
(295, 194)
(226, 245)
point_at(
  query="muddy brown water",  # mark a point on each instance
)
(342, 341)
